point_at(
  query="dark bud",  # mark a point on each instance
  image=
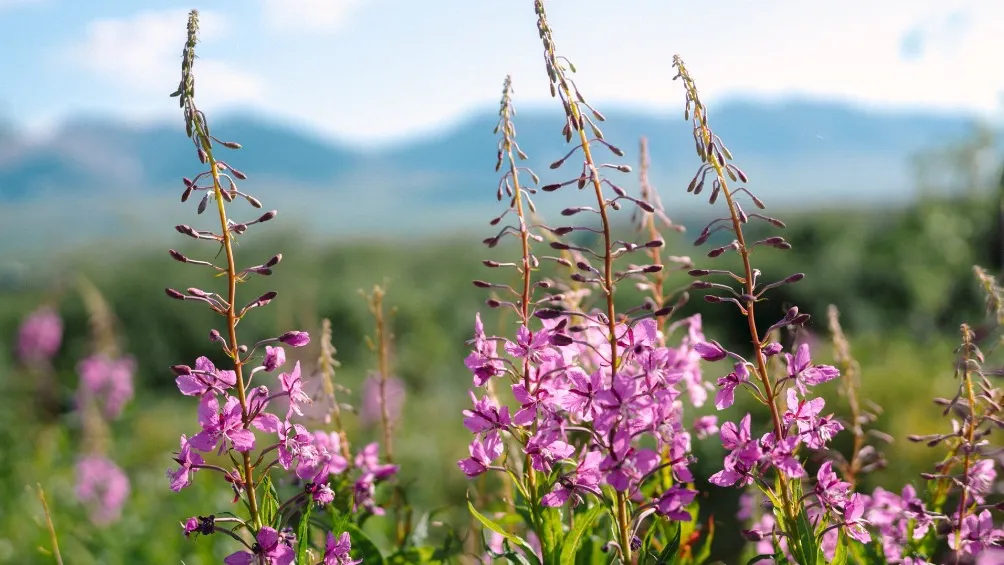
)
(794, 278)
(548, 313)
(624, 168)
(267, 216)
(237, 173)
(698, 272)
(712, 298)
(757, 202)
(181, 370)
(187, 193)
(752, 535)
(616, 150)
(187, 230)
(645, 206)
(652, 269)
(550, 187)
(562, 230)
(557, 163)
(274, 260)
(559, 246)
(492, 303)
(490, 263)
(254, 202)
(174, 294)
(800, 320)
(215, 336)
(700, 285)
(560, 340)
(663, 312)
(177, 256)
(229, 144)
(482, 284)
(203, 203)
(655, 244)
(226, 195)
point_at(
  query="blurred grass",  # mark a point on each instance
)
(901, 278)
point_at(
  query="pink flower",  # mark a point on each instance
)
(270, 549)
(189, 461)
(336, 550)
(220, 427)
(107, 380)
(102, 486)
(40, 335)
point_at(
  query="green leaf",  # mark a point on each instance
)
(669, 553)
(363, 547)
(570, 547)
(840, 554)
(761, 557)
(552, 535)
(491, 525)
(269, 507)
(705, 551)
(303, 534)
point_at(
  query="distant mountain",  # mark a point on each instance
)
(796, 154)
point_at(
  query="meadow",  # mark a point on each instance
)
(393, 348)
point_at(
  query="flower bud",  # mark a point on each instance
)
(275, 357)
(295, 338)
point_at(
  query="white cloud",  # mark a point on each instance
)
(143, 52)
(307, 15)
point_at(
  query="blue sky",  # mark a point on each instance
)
(369, 71)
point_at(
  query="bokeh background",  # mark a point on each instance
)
(872, 129)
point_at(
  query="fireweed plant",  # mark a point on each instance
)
(292, 483)
(599, 432)
(596, 440)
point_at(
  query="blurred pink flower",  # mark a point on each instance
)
(103, 487)
(40, 335)
(107, 380)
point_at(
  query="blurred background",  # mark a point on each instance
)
(871, 129)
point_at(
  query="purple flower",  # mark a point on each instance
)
(705, 426)
(270, 549)
(486, 415)
(189, 463)
(672, 503)
(782, 454)
(585, 478)
(981, 479)
(626, 465)
(322, 458)
(275, 357)
(727, 386)
(580, 396)
(483, 361)
(804, 373)
(293, 438)
(710, 351)
(854, 520)
(534, 347)
(744, 454)
(292, 384)
(336, 550)
(529, 404)
(545, 448)
(190, 526)
(978, 533)
(103, 487)
(221, 426)
(483, 451)
(320, 493)
(40, 335)
(831, 491)
(369, 461)
(205, 378)
(295, 338)
(109, 381)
